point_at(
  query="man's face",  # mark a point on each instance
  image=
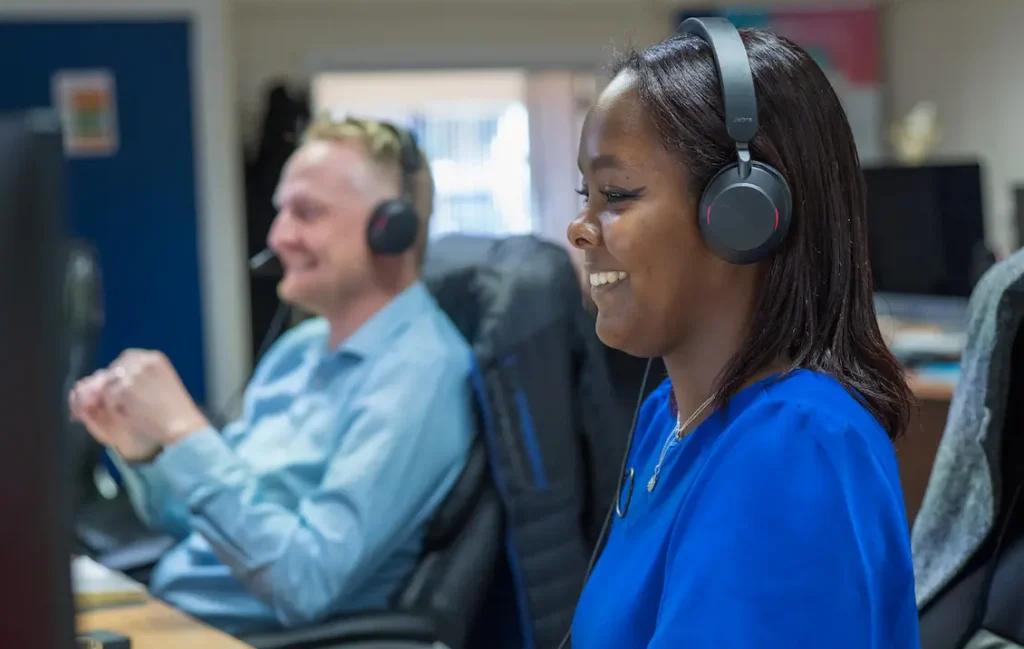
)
(324, 200)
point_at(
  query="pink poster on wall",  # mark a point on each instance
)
(846, 43)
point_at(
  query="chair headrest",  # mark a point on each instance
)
(501, 291)
(457, 506)
(450, 273)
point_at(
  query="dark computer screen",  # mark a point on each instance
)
(925, 228)
(35, 555)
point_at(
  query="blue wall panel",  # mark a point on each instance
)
(138, 206)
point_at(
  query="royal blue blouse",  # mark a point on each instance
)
(777, 523)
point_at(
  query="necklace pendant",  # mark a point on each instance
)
(652, 483)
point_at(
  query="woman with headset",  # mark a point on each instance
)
(724, 231)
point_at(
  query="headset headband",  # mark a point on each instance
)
(409, 150)
(409, 157)
(736, 78)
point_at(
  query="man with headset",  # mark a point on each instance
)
(354, 426)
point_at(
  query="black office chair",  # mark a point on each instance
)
(83, 313)
(984, 603)
(83, 305)
(981, 605)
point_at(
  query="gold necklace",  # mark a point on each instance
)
(678, 433)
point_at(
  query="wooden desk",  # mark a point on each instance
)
(155, 625)
(916, 450)
(927, 390)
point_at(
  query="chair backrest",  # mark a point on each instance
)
(461, 546)
(83, 302)
(1003, 618)
(83, 313)
(996, 572)
(553, 427)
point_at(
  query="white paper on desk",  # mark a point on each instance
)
(95, 585)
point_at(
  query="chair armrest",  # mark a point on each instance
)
(365, 628)
(142, 554)
(111, 533)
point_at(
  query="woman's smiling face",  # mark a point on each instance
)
(649, 270)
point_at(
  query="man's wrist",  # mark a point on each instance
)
(144, 460)
(179, 429)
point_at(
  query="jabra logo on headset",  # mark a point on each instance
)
(743, 120)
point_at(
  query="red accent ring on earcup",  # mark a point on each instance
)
(745, 219)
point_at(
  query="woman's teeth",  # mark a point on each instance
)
(609, 277)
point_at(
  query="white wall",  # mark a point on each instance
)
(967, 57)
(416, 90)
(226, 328)
(298, 38)
(557, 104)
(294, 38)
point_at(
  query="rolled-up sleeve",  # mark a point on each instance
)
(395, 458)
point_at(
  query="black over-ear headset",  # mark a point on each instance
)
(745, 210)
(394, 224)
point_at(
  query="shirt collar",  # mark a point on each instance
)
(383, 325)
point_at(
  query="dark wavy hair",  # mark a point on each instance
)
(816, 304)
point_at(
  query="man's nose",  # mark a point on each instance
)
(281, 232)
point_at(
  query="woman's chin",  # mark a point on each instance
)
(624, 337)
(613, 333)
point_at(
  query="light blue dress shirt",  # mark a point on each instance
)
(314, 502)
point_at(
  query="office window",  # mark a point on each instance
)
(474, 128)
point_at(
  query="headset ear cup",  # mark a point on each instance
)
(392, 228)
(744, 220)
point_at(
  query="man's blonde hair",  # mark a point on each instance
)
(384, 148)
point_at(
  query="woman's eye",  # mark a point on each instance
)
(613, 196)
(610, 195)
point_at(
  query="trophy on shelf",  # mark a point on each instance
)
(914, 137)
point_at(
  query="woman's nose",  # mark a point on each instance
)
(583, 232)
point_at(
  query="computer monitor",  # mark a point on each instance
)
(35, 552)
(926, 228)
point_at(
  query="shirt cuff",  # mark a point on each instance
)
(197, 466)
(138, 479)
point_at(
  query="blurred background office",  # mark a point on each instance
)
(178, 116)
(203, 100)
